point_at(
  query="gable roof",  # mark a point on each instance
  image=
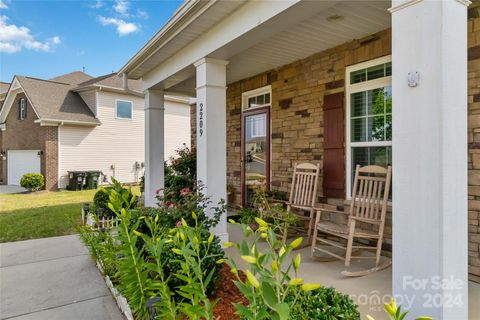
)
(74, 77)
(4, 87)
(54, 101)
(111, 80)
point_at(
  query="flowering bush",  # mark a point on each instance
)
(180, 174)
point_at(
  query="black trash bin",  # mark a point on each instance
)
(91, 179)
(75, 180)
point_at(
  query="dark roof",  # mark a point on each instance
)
(111, 80)
(4, 87)
(74, 77)
(55, 100)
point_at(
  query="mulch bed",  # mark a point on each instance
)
(227, 294)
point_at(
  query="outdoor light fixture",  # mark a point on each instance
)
(413, 79)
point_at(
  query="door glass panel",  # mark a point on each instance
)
(255, 153)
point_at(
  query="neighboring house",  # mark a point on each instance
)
(75, 122)
(323, 81)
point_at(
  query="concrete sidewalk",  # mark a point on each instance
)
(52, 278)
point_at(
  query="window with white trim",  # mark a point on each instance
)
(257, 98)
(369, 115)
(22, 109)
(123, 109)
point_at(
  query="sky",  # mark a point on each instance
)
(44, 39)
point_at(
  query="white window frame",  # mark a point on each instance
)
(253, 93)
(116, 105)
(23, 108)
(359, 87)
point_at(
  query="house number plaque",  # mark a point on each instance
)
(200, 120)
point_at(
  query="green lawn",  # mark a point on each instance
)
(41, 214)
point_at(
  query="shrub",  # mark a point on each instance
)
(323, 304)
(101, 198)
(32, 181)
(247, 215)
(180, 173)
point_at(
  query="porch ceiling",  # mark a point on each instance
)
(310, 30)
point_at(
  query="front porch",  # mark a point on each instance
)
(370, 293)
(296, 60)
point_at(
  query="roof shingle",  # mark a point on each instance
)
(55, 100)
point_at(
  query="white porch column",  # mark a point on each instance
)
(430, 157)
(211, 133)
(154, 144)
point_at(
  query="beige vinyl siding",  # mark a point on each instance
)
(118, 142)
(177, 127)
(90, 99)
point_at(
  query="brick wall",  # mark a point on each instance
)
(28, 135)
(474, 145)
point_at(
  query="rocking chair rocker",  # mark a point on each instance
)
(368, 207)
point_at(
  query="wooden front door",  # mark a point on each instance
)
(255, 152)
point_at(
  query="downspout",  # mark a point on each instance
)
(125, 81)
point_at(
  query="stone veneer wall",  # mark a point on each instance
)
(296, 110)
(297, 119)
(474, 146)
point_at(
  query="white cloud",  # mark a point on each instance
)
(8, 47)
(14, 38)
(3, 5)
(123, 28)
(142, 14)
(97, 5)
(121, 7)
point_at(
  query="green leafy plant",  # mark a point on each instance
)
(323, 304)
(102, 247)
(180, 173)
(247, 215)
(132, 268)
(32, 181)
(274, 213)
(395, 313)
(272, 276)
(193, 251)
(102, 196)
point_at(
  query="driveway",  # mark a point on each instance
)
(4, 189)
(52, 278)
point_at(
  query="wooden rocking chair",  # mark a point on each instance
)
(302, 198)
(370, 193)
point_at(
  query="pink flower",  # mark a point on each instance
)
(171, 205)
(185, 191)
(160, 203)
(179, 224)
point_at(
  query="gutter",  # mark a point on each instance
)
(46, 122)
(111, 89)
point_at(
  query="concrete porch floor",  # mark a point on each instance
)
(369, 292)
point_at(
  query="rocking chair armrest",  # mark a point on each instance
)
(371, 221)
(329, 210)
(279, 201)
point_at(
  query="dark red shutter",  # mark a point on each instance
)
(334, 146)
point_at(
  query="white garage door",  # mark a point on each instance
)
(20, 162)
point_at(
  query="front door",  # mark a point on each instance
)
(255, 152)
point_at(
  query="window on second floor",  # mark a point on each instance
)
(123, 109)
(22, 109)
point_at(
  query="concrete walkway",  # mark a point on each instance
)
(52, 278)
(6, 189)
